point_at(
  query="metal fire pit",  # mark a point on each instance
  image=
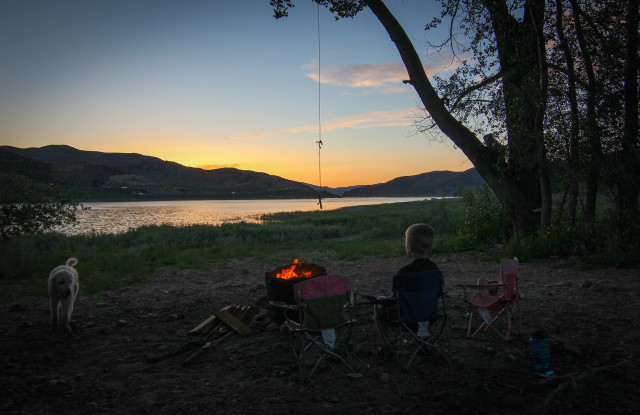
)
(279, 289)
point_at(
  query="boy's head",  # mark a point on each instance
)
(419, 240)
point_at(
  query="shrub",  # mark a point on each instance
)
(485, 221)
(25, 209)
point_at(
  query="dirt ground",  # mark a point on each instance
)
(128, 347)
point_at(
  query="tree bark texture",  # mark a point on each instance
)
(519, 61)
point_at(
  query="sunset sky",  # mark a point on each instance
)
(211, 83)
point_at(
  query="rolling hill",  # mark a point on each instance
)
(129, 176)
(435, 183)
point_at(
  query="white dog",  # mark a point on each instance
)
(63, 288)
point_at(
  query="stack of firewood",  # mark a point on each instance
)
(220, 325)
(215, 329)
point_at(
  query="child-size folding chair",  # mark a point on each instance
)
(321, 318)
(417, 322)
(495, 305)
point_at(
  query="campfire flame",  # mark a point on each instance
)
(293, 271)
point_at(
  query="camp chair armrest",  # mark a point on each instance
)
(375, 300)
(482, 286)
(284, 306)
(348, 306)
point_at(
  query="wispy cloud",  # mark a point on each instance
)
(372, 119)
(359, 76)
(370, 79)
(302, 129)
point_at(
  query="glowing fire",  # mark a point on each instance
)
(293, 271)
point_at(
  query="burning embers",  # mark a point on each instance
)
(296, 270)
(280, 281)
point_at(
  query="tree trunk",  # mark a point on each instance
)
(536, 11)
(513, 187)
(520, 82)
(592, 130)
(574, 138)
(628, 184)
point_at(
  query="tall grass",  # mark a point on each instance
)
(108, 261)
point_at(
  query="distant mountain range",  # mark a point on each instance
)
(127, 176)
(434, 183)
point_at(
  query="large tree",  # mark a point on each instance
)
(518, 175)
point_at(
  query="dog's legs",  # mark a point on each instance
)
(74, 294)
(67, 308)
(72, 303)
(55, 310)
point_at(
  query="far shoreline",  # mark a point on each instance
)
(239, 199)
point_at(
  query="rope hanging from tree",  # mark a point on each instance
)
(319, 142)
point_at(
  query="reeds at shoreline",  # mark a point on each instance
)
(108, 261)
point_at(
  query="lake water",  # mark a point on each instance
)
(117, 217)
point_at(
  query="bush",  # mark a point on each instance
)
(613, 240)
(25, 209)
(617, 240)
(485, 221)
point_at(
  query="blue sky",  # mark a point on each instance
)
(219, 83)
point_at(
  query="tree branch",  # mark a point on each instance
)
(464, 138)
(475, 87)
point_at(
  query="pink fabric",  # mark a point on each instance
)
(509, 276)
(323, 286)
(483, 300)
(508, 267)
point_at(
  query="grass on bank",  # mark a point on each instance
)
(476, 221)
(109, 261)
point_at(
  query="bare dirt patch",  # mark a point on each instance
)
(103, 367)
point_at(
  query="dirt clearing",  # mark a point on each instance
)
(127, 350)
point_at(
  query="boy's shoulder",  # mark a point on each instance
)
(418, 265)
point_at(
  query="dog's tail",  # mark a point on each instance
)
(71, 262)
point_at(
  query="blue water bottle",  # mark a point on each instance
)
(541, 353)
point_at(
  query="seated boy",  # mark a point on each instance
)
(418, 243)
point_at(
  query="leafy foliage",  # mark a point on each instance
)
(485, 222)
(584, 140)
(473, 91)
(25, 209)
(342, 8)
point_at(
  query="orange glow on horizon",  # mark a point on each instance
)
(341, 167)
(339, 176)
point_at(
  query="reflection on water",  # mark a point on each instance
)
(117, 217)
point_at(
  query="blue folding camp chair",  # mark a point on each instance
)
(416, 317)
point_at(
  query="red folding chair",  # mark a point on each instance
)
(495, 305)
